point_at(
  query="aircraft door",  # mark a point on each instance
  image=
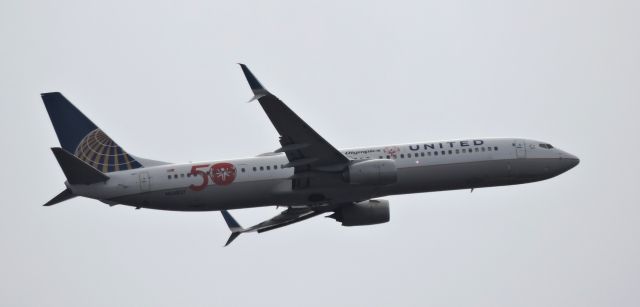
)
(145, 182)
(520, 149)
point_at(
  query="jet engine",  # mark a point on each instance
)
(374, 211)
(372, 172)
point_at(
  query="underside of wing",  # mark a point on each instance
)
(287, 217)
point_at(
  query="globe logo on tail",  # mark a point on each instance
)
(100, 151)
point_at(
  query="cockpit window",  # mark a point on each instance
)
(547, 146)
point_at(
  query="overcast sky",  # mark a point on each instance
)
(160, 78)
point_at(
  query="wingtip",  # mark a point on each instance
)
(233, 225)
(256, 86)
(232, 237)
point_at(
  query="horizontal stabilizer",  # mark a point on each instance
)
(64, 195)
(77, 171)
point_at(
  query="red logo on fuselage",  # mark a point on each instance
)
(223, 173)
(392, 151)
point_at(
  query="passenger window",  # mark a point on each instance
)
(495, 148)
(435, 153)
(275, 167)
(450, 151)
(261, 168)
(175, 176)
(457, 151)
(443, 152)
(429, 153)
(268, 167)
(489, 148)
(182, 175)
(408, 155)
(402, 156)
(482, 149)
(169, 177)
(254, 168)
(422, 154)
(464, 150)
(388, 157)
(477, 150)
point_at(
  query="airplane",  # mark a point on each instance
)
(306, 174)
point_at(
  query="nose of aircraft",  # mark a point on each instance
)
(569, 161)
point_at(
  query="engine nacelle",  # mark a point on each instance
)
(372, 172)
(375, 211)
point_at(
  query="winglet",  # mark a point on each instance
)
(235, 228)
(232, 237)
(258, 90)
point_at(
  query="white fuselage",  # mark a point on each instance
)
(263, 181)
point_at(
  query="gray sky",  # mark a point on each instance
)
(160, 78)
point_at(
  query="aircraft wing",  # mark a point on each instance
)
(306, 150)
(287, 217)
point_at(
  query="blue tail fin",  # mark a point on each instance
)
(81, 137)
